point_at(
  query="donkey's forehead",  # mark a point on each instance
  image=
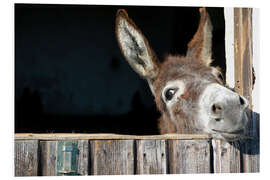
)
(182, 68)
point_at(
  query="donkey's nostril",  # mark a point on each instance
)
(242, 101)
(218, 119)
(216, 108)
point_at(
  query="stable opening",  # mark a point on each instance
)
(70, 75)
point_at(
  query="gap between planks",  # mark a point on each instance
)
(79, 136)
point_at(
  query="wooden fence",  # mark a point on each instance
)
(110, 154)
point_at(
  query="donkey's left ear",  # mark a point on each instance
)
(135, 47)
(200, 47)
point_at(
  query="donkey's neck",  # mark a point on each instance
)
(181, 126)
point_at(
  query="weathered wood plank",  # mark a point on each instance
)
(251, 155)
(48, 154)
(244, 56)
(151, 157)
(26, 158)
(229, 44)
(49, 151)
(226, 156)
(112, 157)
(189, 156)
(250, 148)
(78, 136)
(243, 52)
(245, 78)
(83, 159)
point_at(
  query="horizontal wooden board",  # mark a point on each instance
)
(75, 136)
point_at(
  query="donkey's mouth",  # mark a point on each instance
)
(229, 136)
(240, 131)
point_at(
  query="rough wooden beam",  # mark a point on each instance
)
(74, 136)
(243, 39)
(243, 52)
(229, 45)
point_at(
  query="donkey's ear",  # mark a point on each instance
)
(200, 47)
(135, 47)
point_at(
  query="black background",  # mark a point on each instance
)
(70, 75)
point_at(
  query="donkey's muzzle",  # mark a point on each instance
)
(224, 110)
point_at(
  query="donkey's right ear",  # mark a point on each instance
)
(135, 47)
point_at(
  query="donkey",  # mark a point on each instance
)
(190, 94)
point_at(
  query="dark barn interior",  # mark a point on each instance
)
(70, 75)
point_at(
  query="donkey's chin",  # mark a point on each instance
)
(232, 135)
(228, 136)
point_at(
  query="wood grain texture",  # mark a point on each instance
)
(251, 148)
(151, 157)
(26, 158)
(251, 156)
(79, 136)
(243, 52)
(229, 44)
(227, 157)
(189, 156)
(83, 158)
(243, 56)
(244, 83)
(48, 155)
(112, 157)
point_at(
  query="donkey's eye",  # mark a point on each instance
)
(170, 93)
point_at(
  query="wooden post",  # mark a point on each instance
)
(243, 52)
(229, 45)
(244, 79)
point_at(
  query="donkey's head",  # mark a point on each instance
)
(190, 94)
